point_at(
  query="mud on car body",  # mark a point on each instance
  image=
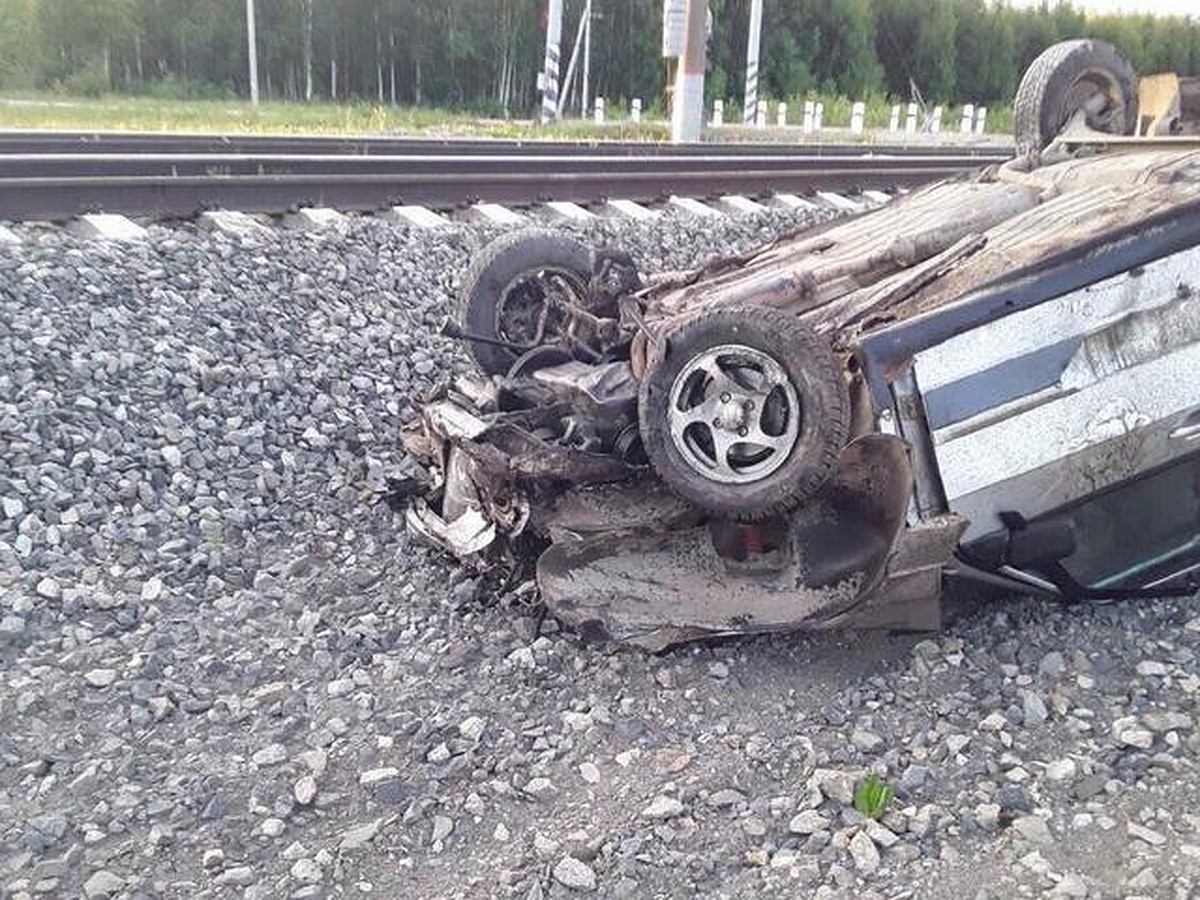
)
(995, 378)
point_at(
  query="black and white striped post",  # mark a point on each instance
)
(750, 105)
(550, 66)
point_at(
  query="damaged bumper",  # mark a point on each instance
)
(619, 557)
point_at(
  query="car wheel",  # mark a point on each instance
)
(505, 293)
(1070, 76)
(744, 412)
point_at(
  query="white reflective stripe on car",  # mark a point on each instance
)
(1124, 379)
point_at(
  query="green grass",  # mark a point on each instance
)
(872, 796)
(122, 113)
(44, 110)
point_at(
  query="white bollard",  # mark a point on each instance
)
(781, 115)
(635, 109)
(760, 114)
(718, 118)
(809, 108)
(981, 120)
(894, 121)
(858, 114)
(598, 117)
(968, 119)
(818, 115)
(935, 123)
(910, 123)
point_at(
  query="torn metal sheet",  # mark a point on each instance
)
(467, 535)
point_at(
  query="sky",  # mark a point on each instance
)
(1160, 7)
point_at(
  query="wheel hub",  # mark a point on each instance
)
(734, 414)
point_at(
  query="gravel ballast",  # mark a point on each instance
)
(227, 672)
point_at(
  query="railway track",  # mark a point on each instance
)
(52, 176)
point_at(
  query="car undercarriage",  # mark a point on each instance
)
(990, 379)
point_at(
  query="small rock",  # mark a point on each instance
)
(523, 657)
(864, 853)
(472, 728)
(574, 874)
(1141, 832)
(957, 743)
(100, 678)
(1152, 668)
(307, 871)
(1034, 708)
(589, 772)
(577, 721)
(808, 822)
(880, 834)
(756, 857)
(993, 722)
(50, 589)
(663, 808)
(1167, 721)
(103, 883)
(305, 790)
(913, 778)
(1130, 732)
(272, 827)
(539, 786)
(725, 798)
(834, 784)
(1052, 665)
(1144, 880)
(152, 589)
(374, 776)
(442, 827)
(1071, 885)
(544, 846)
(1061, 770)
(1034, 829)
(359, 836)
(270, 755)
(1089, 786)
(866, 741)
(987, 815)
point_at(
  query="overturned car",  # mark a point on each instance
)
(995, 378)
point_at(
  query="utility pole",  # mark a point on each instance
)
(687, 114)
(587, 56)
(566, 86)
(252, 45)
(550, 67)
(750, 104)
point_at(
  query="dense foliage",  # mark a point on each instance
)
(484, 54)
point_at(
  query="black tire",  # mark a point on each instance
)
(500, 265)
(823, 421)
(1057, 83)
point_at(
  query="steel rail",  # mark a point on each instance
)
(91, 165)
(51, 198)
(371, 145)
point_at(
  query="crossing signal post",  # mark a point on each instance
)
(549, 79)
